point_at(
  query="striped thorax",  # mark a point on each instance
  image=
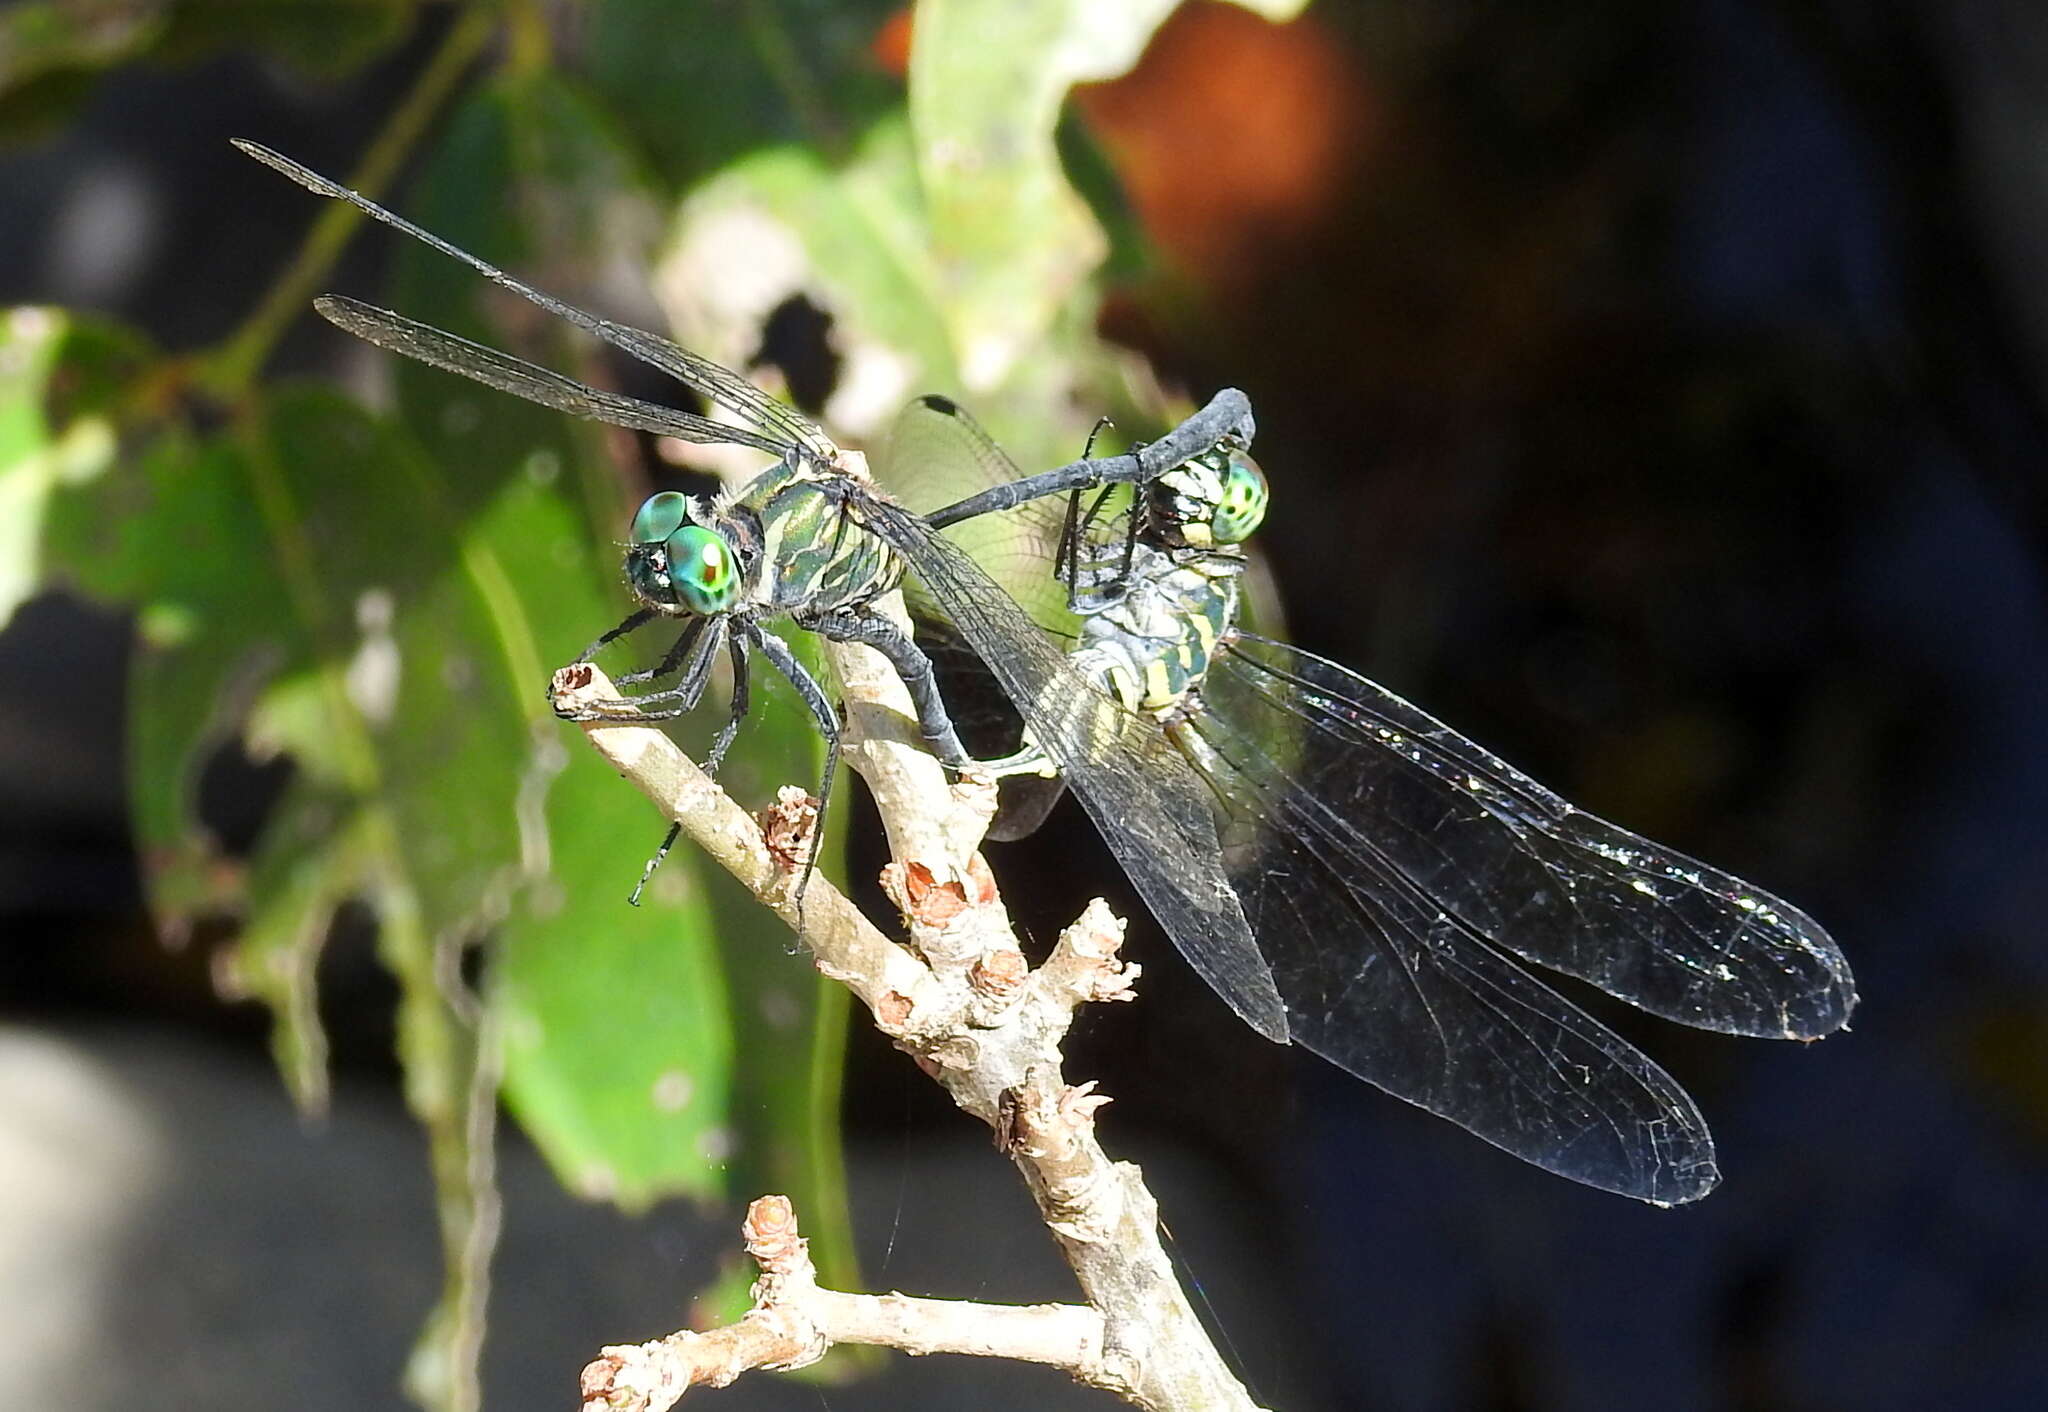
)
(787, 543)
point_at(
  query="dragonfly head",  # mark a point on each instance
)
(1218, 498)
(676, 565)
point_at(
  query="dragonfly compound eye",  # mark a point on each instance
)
(701, 569)
(1242, 505)
(660, 516)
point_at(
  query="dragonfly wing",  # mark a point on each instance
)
(783, 424)
(1387, 985)
(1026, 801)
(506, 373)
(936, 452)
(989, 726)
(1407, 797)
(1151, 808)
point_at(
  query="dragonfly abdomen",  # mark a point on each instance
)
(1153, 645)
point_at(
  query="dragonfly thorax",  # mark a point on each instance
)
(814, 551)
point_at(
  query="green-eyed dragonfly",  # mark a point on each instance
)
(809, 542)
(1392, 870)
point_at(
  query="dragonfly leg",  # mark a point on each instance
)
(638, 620)
(723, 741)
(685, 694)
(871, 630)
(1075, 525)
(1093, 596)
(700, 669)
(672, 658)
(785, 661)
(1029, 761)
(668, 841)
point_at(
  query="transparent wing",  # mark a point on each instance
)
(528, 380)
(989, 725)
(1422, 817)
(1384, 983)
(1152, 810)
(734, 392)
(936, 454)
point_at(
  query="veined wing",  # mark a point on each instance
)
(1423, 818)
(783, 424)
(937, 453)
(506, 373)
(1384, 983)
(989, 725)
(1152, 810)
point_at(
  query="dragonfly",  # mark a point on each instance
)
(1397, 875)
(814, 543)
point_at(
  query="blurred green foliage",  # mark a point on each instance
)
(377, 592)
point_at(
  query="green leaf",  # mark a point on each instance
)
(619, 1050)
(1011, 238)
(42, 37)
(851, 238)
(35, 457)
(316, 854)
(325, 39)
(697, 91)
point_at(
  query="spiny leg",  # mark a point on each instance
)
(690, 691)
(686, 693)
(671, 659)
(1069, 560)
(1123, 574)
(1074, 525)
(639, 619)
(698, 673)
(668, 841)
(785, 661)
(1073, 535)
(723, 741)
(872, 630)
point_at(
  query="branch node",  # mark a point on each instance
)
(772, 1238)
(1083, 967)
(999, 974)
(789, 827)
(1051, 1126)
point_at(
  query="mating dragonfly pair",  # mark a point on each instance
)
(1346, 871)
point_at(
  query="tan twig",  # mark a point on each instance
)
(962, 1001)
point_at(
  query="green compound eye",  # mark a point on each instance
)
(701, 568)
(660, 516)
(1242, 504)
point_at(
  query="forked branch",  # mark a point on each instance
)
(962, 1001)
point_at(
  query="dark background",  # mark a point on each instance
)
(1655, 393)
